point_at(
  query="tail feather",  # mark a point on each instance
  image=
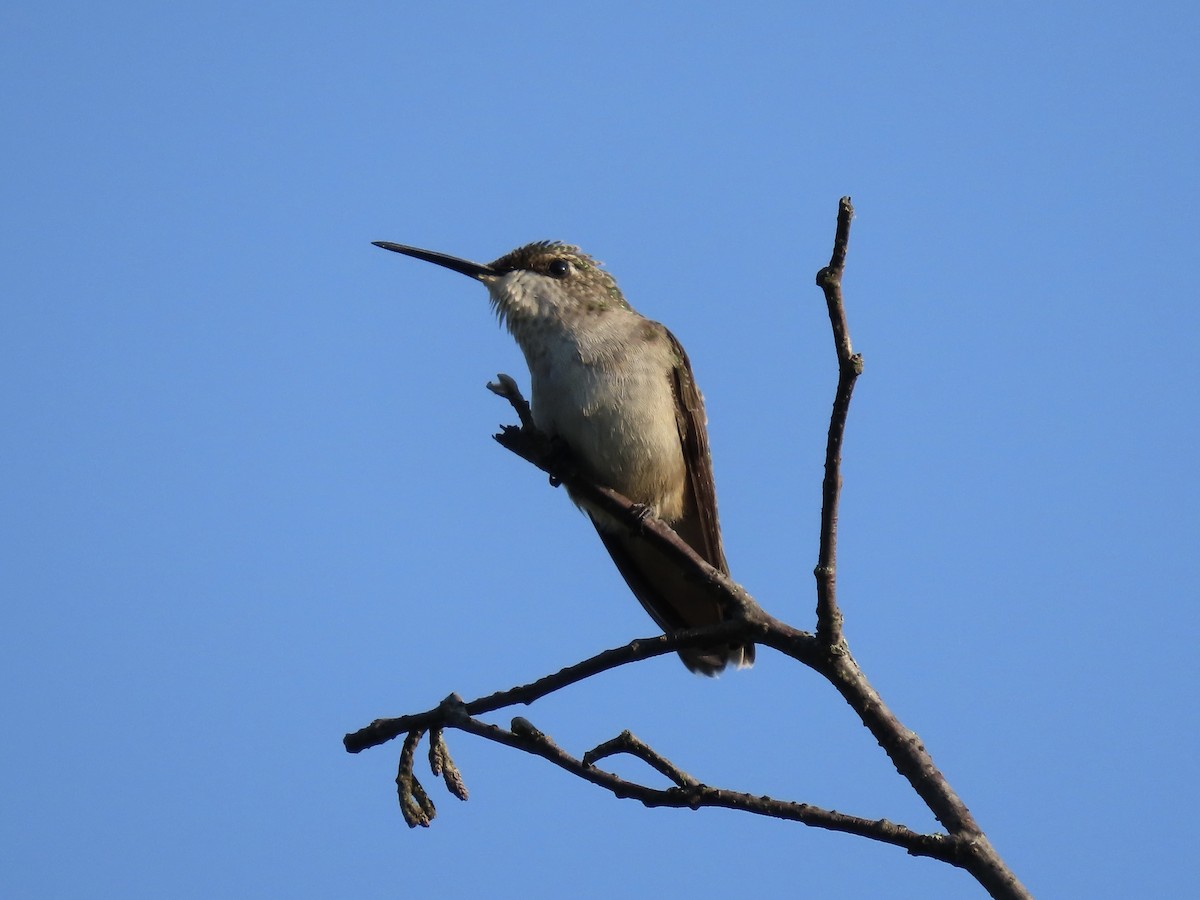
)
(673, 601)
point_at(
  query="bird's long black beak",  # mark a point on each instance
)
(473, 269)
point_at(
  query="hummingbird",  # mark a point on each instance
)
(618, 390)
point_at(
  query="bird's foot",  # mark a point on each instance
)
(642, 512)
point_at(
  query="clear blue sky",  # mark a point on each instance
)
(250, 501)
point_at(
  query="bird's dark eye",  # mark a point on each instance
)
(558, 268)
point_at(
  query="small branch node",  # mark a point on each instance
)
(523, 728)
(453, 709)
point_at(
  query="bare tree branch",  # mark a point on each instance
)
(964, 845)
(850, 366)
(688, 793)
(383, 730)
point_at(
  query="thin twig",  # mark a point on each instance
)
(506, 386)
(829, 616)
(534, 447)
(383, 730)
(627, 742)
(524, 736)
